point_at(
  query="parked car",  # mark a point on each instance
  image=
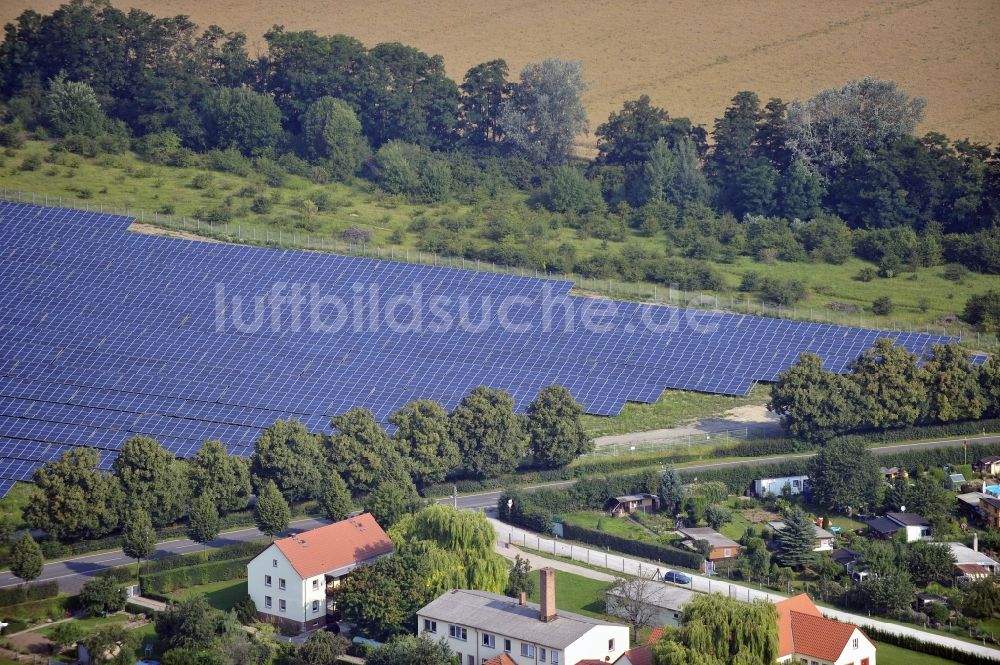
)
(676, 577)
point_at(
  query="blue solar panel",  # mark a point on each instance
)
(108, 334)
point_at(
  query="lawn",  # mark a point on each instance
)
(89, 623)
(575, 593)
(220, 595)
(736, 527)
(616, 526)
(887, 654)
(675, 407)
(12, 505)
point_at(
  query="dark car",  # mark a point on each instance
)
(676, 578)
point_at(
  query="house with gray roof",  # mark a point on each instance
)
(824, 539)
(916, 527)
(479, 625)
(722, 547)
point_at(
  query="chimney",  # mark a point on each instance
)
(522, 599)
(975, 541)
(547, 611)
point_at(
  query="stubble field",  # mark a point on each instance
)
(690, 56)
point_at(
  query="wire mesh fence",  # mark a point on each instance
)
(669, 295)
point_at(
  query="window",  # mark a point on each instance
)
(274, 563)
(267, 580)
(727, 552)
(864, 661)
(281, 583)
(315, 606)
(458, 633)
(315, 584)
(267, 601)
(527, 650)
(470, 660)
(611, 644)
(281, 605)
(541, 654)
(506, 646)
(554, 657)
(489, 640)
(430, 626)
(795, 483)
(855, 643)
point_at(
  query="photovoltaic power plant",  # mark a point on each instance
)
(107, 334)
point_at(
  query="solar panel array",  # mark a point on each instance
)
(107, 334)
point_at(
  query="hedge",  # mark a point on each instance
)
(28, 592)
(39, 610)
(244, 551)
(662, 553)
(944, 430)
(930, 648)
(181, 578)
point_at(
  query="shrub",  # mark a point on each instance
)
(955, 272)
(31, 162)
(202, 181)
(355, 234)
(882, 306)
(28, 592)
(866, 274)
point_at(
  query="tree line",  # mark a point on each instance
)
(147, 488)
(887, 387)
(836, 175)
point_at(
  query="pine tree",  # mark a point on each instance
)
(671, 491)
(271, 512)
(796, 541)
(203, 520)
(26, 559)
(138, 535)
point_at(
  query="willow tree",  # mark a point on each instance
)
(717, 629)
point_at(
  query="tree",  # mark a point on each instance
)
(423, 438)
(361, 450)
(71, 107)
(138, 535)
(893, 390)
(952, 385)
(882, 306)
(888, 593)
(241, 117)
(152, 479)
(271, 513)
(103, 595)
(989, 383)
(67, 634)
(569, 190)
(484, 90)
(796, 541)
(928, 497)
(393, 496)
(555, 429)
(845, 475)
(322, 648)
(332, 133)
(630, 134)
(716, 630)
(545, 112)
(224, 478)
(814, 404)
(671, 174)
(488, 433)
(203, 520)
(410, 650)
(632, 600)
(26, 560)
(287, 454)
(717, 515)
(113, 643)
(929, 562)
(983, 310)
(671, 490)
(800, 193)
(75, 500)
(863, 115)
(190, 623)
(519, 578)
(335, 498)
(756, 558)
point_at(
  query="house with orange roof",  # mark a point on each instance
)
(290, 580)
(806, 636)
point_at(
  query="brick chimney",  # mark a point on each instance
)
(547, 611)
(522, 599)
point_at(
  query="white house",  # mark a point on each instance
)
(666, 602)
(916, 526)
(479, 626)
(806, 636)
(290, 580)
(795, 484)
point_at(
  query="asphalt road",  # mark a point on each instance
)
(73, 573)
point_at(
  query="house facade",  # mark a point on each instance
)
(479, 626)
(722, 547)
(989, 465)
(776, 486)
(291, 580)
(630, 503)
(970, 563)
(914, 527)
(806, 636)
(664, 601)
(990, 508)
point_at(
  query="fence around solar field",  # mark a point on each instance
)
(687, 441)
(234, 232)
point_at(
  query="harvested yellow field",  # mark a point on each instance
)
(690, 56)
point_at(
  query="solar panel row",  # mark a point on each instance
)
(107, 334)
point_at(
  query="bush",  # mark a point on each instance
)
(983, 310)
(28, 592)
(31, 162)
(866, 274)
(955, 272)
(662, 553)
(882, 306)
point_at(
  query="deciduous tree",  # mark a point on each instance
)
(410, 650)
(845, 475)
(716, 630)
(488, 433)
(555, 428)
(893, 391)
(71, 107)
(103, 595)
(335, 498)
(287, 454)
(519, 578)
(424, 439)
(332, 133)
(152, 478)
(952, 385)
(361, 450)
(671, 490)
(814, 404)
(271, 513)
(224, 478)
(26, 560)
(203, 520)
(138, 535)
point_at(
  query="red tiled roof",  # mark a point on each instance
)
(800, 603)
(590, 661)
(819, 637)
(655, 635)
(336, 545)
(502, 659)
(639, 656)
(973, 569)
